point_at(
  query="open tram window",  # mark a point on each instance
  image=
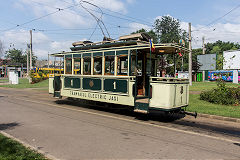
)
(122, 65)
(69, 66)
(87, 65)
(109, 65)
(77, 65)
(97, 65)
(133, 65)
(151, 68)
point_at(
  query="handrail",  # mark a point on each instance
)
(97, 76)
(168, 79)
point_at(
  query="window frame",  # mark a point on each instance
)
(90, 69)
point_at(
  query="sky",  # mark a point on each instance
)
(56, 24)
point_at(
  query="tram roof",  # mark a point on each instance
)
(161, 48)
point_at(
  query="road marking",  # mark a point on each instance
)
(129, 120)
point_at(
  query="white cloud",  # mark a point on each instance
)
(23, 37)
(219, 31)
(131, 1)
(69, 17)
(60, 46)
(136, 26)
(113, 5)
(41, 53)
(42, 45)
(224, 32)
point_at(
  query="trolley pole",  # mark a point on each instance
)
(203, 52)
(190, 56)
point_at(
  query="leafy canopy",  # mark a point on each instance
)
(18, 57)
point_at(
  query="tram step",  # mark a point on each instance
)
(141, 107)
(142, 100)
(57, 94)
(141, 97)
(140, 111)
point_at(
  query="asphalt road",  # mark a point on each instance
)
(69, 130)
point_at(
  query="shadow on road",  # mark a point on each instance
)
(6, 126)
(176, 120)
(238, 144)
(121, 110)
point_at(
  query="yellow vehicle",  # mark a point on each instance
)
(45, 72)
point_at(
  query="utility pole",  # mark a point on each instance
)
(203, 52)
(31, 50)
(190, 55)
(30, 56)
(28, 48)
(48, 60)
(182, 63)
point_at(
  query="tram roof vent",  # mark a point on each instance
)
(137, 36)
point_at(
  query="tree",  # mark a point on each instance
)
(1, 48)
(217, 48)
(18, 57)
(168, 30)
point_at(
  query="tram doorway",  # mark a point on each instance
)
(144, 69)
(141, 74)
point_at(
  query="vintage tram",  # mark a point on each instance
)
(121, 72)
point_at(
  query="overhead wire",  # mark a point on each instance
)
(217, 19)
(98, 20)
(67, 10)
(127, 19)
(46, 15)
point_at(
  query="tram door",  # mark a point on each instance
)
(141, 104)
(142, 78)
(57, 86)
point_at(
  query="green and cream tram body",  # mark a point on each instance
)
(121, 72)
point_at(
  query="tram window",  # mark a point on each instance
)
(109, 65)
(122, 65)
(97, 65)
(133, 65)
(151, 68)
(77, 66)
(87, 65)
(68, 66)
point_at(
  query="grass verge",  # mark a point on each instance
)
(13, 150)
(201, 86)
(200, 106)
(24, 83)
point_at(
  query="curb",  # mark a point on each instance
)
(237, 120)
(29, 146)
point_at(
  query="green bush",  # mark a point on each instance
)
(222, 94)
